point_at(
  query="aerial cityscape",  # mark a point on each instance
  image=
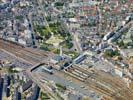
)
(66, 49)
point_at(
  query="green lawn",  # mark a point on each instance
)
(73, 54)
(54, 35)
(44, 96)
(55, 40)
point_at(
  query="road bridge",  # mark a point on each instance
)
(98, 81)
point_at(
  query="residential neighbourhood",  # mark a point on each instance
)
(66, 49)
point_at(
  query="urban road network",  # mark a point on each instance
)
(96, 80)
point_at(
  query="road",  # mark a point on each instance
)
(43, 86)
(103, 83)
(44, 15)
(59, 77)
(76, 42)
(98, 81)
(75, 38)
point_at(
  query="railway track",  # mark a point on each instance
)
(98, 81)
(102, 82)
(101, 77)
(93, 85)
(19, 46)
(20, 51)
(22, 55)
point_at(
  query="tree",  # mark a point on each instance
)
(59, 4)
(121, 43)
(112, 53)
(69, 44)
(60, 86)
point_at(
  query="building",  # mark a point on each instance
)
(103, 45)
(1, 87)
(35, 93)
(7, 92)
(17, 95)
(119, 72)
(6, 84)
(79, 59)
(108, 35)
(56, 59)
(7, 80)
(74, 97)
(114, 37)
(26, 86)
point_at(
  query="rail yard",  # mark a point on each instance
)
(102, 82)
(19, 51)
(98, 81)
(66, 50)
